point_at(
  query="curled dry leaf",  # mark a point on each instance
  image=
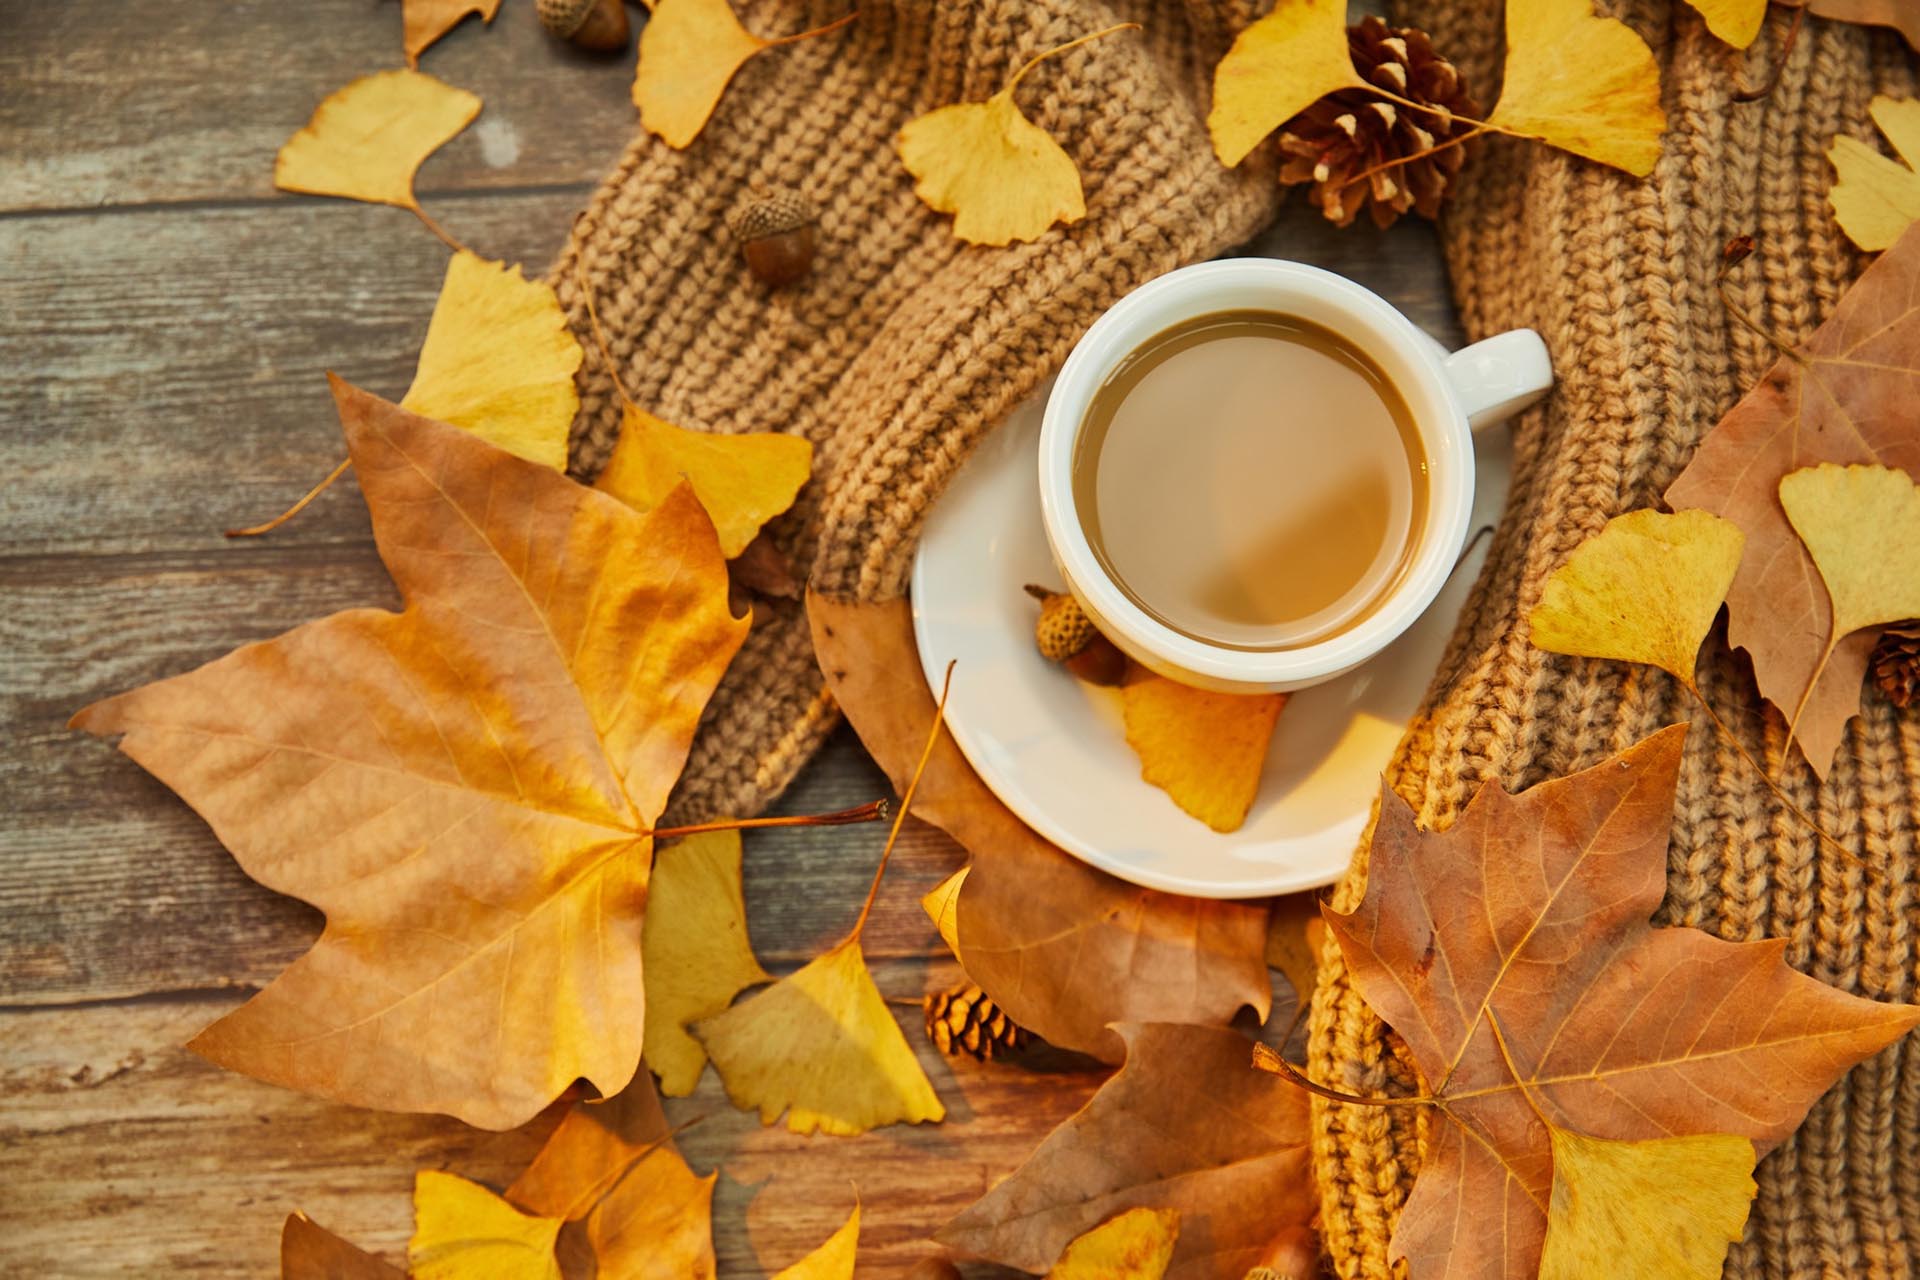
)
(309, 1251)
(1063, 948)
(462, 1231)
(1581, 82)
(1874, 198)
(689, 50)
(1277, 68)
(1204, 749)
(1902, 15)
(1183, 1126)
(942, 905)
(1135, 1245)
(1737, 22)
(466, 789)
(742, 480)
(1666, 1207)
(427, 20)
(832, 1260)
(1842, 396)
(367, 139)
(1533, 912)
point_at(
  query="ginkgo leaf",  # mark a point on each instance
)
(427, 20)
(742, 480)
(1666, 1207)
(1277, 68)
(1646, 588)
(1204, 749)
(832, 1260)
(309, 1251)
(1581, 82)
(696, 951)
(689, 50)
(821, 1045)
(1861, 525)
(367, 139)
(942, 905)
(465, 789)
(462, 1231)
(1737, 22)
(499, 360)
(1135, 1245)
(1874, 198)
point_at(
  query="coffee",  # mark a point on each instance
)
(1252, 480)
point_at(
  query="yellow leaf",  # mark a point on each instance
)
(499, 361)
(742, 480)
(1666, 1207)
(821, 1045)
(1862, 528)
(427, 20)
(656, 1223)
(1735, 21)
(694, 951)
(1135, 1245)
(832, 1260)
(1875, 198)
(1204, 749)
(1644, 589)
(942, 906)
(1277, 68)
(1294, 931)
(367, 139)
(462, 1231)
(689, 50)
(1583, 83)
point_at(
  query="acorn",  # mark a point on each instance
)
(774, 228)
(599, 25)
(1066, 635)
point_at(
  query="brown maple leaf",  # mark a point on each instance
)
(308, 1251)
(1183, 1125)
(1902, 15)
(1533, 911)
(466, 789)
(1064, 948)
(1849, 394)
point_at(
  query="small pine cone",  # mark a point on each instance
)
(1896, 666)
(1346, 134)
(1064, 628)
(966, 1020)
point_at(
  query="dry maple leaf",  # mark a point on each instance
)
(1534, 911)
(832, 1260)
(742, 480)
(427, 20)
(1581, 82)
(1064, 948)
(1135, 1245)
(1902, 15)
(466, 788)
(1665, 1207)
(689, 50)
(1874, 198)
(309, 1251)
(1204, 749)
(1277, 68)
(1737, 22)
(1849, 393)
(1293, 941)
(1182, 1126)
(462, 1231)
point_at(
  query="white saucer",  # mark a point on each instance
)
(1052, 748)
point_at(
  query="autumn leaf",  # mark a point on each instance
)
(593, 1145)
(1861, 525)
(1204, 749)
(1184, 1126)
(1874, 198)
(695, 949)
(832, 1260)
(1581, 82)
(427, 20)
(1666, 1207)
(1737, 22)
(462, 1231)
(309, 1251)
(1532, 913)
(1000, 175)
(1902, 15)
(1845, 395)
(1277, 68)
(1135, 1245)
(367, 139)
(742, 480)
(1293, 941)
(942, 905)
(466, 788)
(1063, 948)
(499, 360)
(689, 50)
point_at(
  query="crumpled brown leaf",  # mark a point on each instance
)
(1902, 15)
(1063, 948)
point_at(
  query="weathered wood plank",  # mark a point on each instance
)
(109, 104)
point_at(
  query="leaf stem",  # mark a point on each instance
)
(798, 36)
(254, 531)
(446, 237)
(1806, 695)
(599, 335)
(1766, 87)
(1075, 43)
(1398, 161)
(906, 802)
(1737, 252)
(872, 811)
(1266, 1059)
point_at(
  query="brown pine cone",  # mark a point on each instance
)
(1347, 134)
(1896, 666)
(966, 1020)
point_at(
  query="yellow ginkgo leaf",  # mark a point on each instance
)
(832, 1260)
(821, 1045)
(942, 905)
(1204, 749)
(694, 950)
(689, 50)
(1875, 198)
(1861, 525)
(1666, 1207)
(1277, 68)
(462, 1231)
(427, 20)
(742, 480)
(499, 361)
(367, 139)
(1735, 21)
(1644, 589)
(1581, 82)
(999, 174)
(1135, 1245)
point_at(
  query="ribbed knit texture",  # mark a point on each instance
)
(1618, 275)
(904, 346)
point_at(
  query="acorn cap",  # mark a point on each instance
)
(563, 17)
(769, 213)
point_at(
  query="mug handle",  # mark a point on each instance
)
(1499, 376)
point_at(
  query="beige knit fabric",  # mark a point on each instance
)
(1618, 275)
(905, 345)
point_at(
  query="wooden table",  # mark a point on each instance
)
(165, 321)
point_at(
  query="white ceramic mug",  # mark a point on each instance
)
(1450, 396)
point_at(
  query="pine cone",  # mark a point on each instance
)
(965, 1020)
(1896, 666)
(1346, 134)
